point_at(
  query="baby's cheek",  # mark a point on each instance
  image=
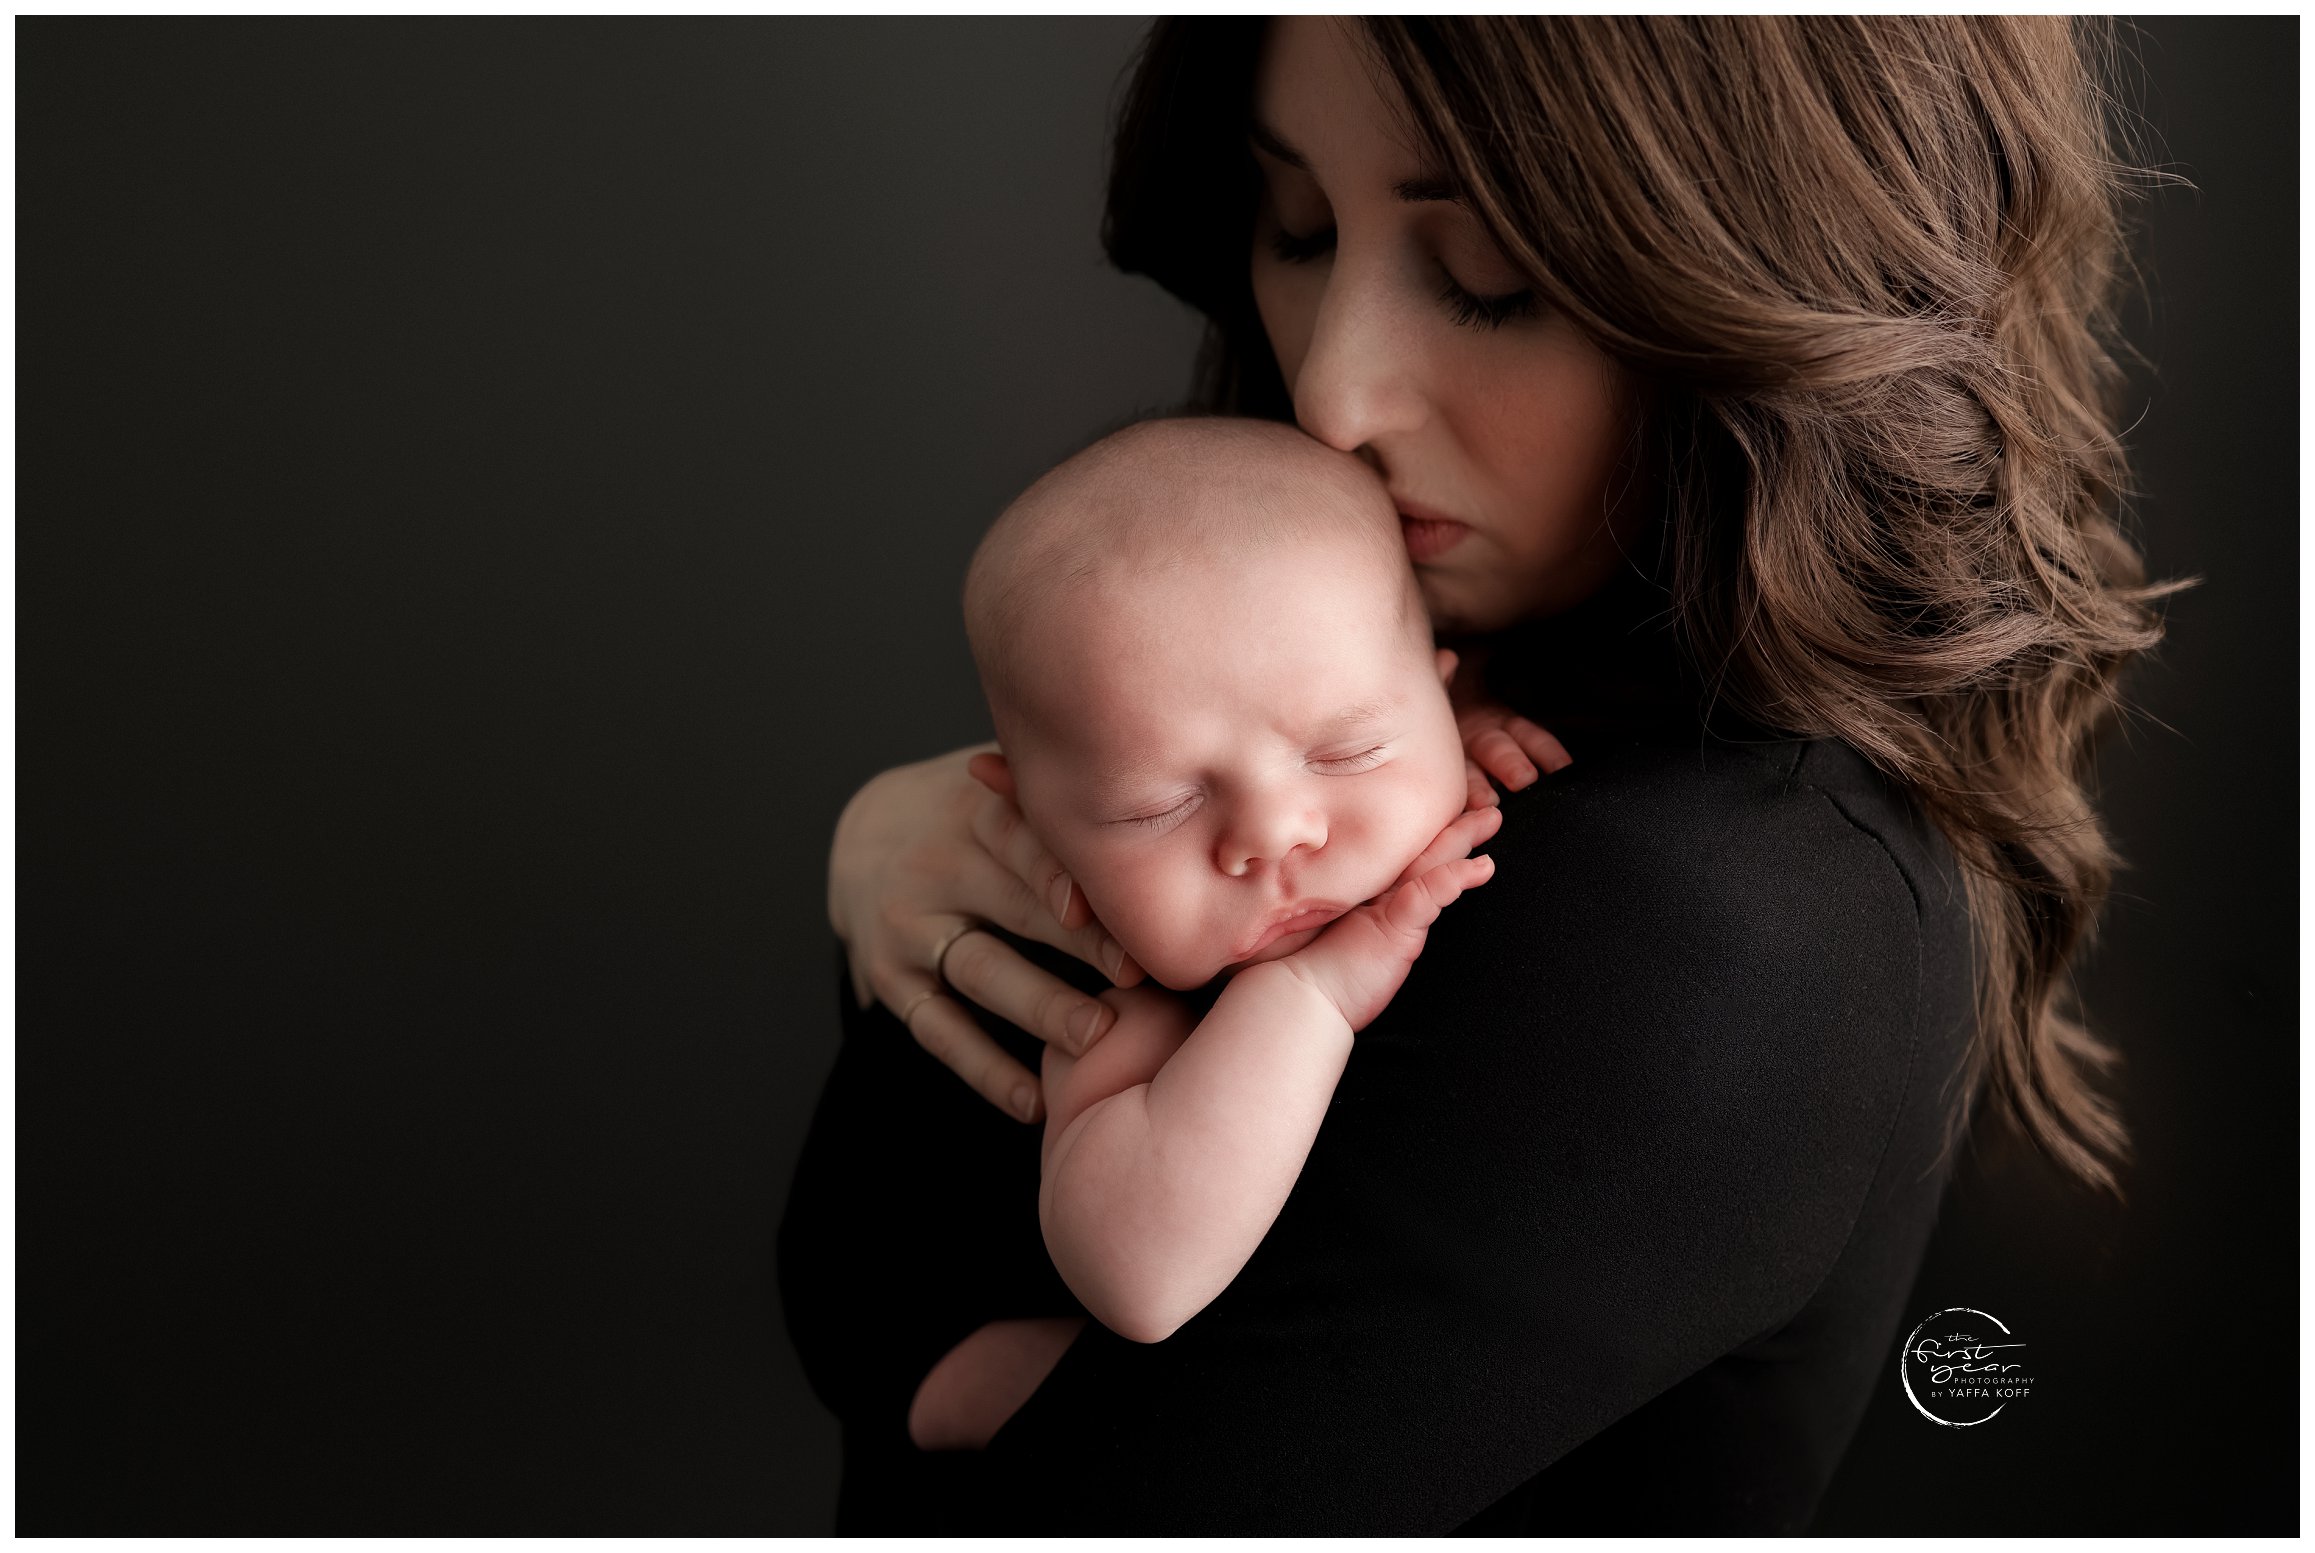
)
(1427, 802)
(1158, 917)
(1443, 788)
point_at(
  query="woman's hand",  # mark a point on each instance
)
(1497, 742)
(924, 856)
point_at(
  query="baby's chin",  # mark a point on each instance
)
(1278, 949)
(1187, 977)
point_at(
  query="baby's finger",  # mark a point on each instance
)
(1502, 758)
(1470, 829)
(1478, 793)
(1415, 907)
(992, 974)
(1445, 884)
(1541, 745)
(1464, 832)
(943, 1028)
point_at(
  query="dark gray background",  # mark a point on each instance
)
(489, 490)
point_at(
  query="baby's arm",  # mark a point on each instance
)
(983, 1381)
(1162, 1177)
(1165, 1166)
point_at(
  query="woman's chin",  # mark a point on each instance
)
(1453, 607)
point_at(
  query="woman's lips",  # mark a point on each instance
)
(1428, 535)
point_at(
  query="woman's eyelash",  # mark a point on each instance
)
(1300, 250)
(1466, 308)
(1486, 312)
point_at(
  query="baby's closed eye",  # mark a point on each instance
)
(1364, 760)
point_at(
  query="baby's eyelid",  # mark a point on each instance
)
(1359, 762)
(1163, 816)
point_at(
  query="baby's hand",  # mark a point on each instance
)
(1363, 956)
(1497, 742)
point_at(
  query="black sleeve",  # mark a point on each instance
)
(911, 1219)
(1620, 1121)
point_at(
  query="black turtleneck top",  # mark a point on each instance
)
(1610, 1222)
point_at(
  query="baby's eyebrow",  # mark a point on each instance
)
(1128, 785)
(1357, 714)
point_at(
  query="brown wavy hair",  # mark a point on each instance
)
(1867, 268)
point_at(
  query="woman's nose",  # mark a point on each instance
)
(1264, 835)
(1357, 382)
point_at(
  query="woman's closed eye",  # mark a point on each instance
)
(1474, 311)
(1465, 306)
(1291, 249)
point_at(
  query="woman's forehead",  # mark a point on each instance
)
(1323, 104)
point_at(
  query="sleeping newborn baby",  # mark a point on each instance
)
(1219, 708)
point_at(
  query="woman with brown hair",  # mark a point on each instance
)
(1744, 387)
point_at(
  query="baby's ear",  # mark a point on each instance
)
(993, 772)
(1447, 661)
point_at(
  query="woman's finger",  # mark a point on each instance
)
(999, 827)
(1540, 745)
(996, 894)
(1044, 902)
(944, 1029)
(863, 985)
(996, 977)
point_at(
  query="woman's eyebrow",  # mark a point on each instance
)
(1413, 191)
(1417, 191)
(1274, 143)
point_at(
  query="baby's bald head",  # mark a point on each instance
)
(1154, 505)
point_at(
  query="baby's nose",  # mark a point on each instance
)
(1266, 837)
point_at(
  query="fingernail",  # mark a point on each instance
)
(1112, 957)
(1527, 773)
(1061, 892)
(1025, 1101)
(1082, 1024)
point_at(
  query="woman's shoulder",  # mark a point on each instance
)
(1722, 918)
(1802, 829)
(1715, 984)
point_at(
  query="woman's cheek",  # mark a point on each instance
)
(1287, 302)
